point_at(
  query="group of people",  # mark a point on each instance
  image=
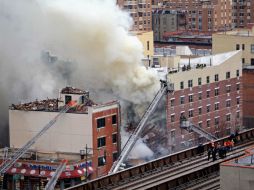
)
(214, 148)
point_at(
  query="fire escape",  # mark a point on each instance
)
(189, 126)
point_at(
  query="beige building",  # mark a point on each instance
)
(140, 11)
(146, 39)
(241, 39)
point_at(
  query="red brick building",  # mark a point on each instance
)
(208, 93)
(88, 124)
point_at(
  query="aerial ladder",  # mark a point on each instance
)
(8, 163)
(189, 126)
(165, 87)
(53, 180)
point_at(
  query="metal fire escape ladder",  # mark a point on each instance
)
(134, 136)
(191, 127)
(7, 164)
(53, 180)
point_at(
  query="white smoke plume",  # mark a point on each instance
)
(92, 35)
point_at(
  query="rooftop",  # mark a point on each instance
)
(72, 90)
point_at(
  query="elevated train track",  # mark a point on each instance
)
(181, 170)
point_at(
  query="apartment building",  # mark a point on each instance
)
(203, 15)
(167, 21)
(86, 124)
(207, 93)
(140, 11)
(242, 13)
(241, 39)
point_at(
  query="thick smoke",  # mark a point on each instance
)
(90, 36)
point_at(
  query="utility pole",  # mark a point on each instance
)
(86, 162)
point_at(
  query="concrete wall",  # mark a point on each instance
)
(235, 178)
(70, 133)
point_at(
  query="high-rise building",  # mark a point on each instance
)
(140, 11)
(242, 13)
(203, 15)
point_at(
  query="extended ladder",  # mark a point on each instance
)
(53, 180)
(7, 164)
(191, 127)
(134, 136)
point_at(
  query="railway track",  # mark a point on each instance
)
(169, 172)
(176, 172)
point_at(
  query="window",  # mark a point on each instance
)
(199, 81)
(243, 60)
(237, 47)
(237, 73)
(238, 100)
(114, 138)
(101, 142)
(208, 108)
(115, 156)
(216, 77)
(216, 92)
(114, 119)
(189, 83)
(238, 114)
(227, 75)
(182, 100)
(243, 46)
(101, 161)
(67, 99)
(207, 79)
(190, 113)
(173, 136)
(172, 102)
(182, 85)
(82, 99)
(252, 61)
(101, 122)
(173, 118)
(238, 86)
(216, 121)
(228, 88)
(208, 123)
(208, 93)
(200, 95)
(216, 106)
(147, 44)
(228, 117)
(199, 110)
(252, 48)
(190, 98)
(228, 103)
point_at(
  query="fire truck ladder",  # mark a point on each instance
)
(134, 136)
(7, 164)
(191, 127)
(53, 180)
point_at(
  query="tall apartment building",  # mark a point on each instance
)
(207, 92)
(87, 124)
(167, 21)
(203, 15)
(140, 11)
(241, 39)
(242, 13)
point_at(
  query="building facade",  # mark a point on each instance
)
(86, 124)
(167, 21)
(242, 13)
(140, 11)
(207, 92)
(205, 16)
(242, 39)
